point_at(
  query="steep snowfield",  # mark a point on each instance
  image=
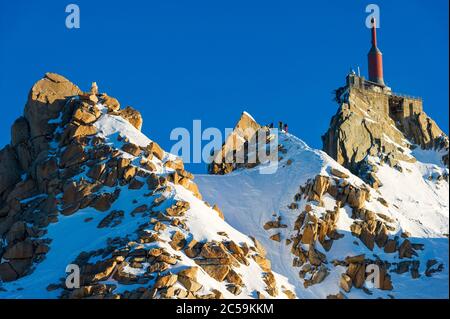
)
(250, 199)
(74, 234)
(421, 203)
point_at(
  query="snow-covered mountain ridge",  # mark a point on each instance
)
(81, 185)
(98, 195)
(323, 226)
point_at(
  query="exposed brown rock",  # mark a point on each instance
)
(99, 271)
(146, 164)
(133, 116)
(276, 237)
(153, 181)
(178, 241)
(135, 184)
(355, 259)
(156, 150)
(319, 275)
(320, 186)
(339, 296)
(309, 235)
(357, 197)
(23, 189)
(20, 250)
(96, 171)
(338, 173)
(166, 281)
(132, 149)
(20, 131)
(219, 211)
(175, 164)
(193, 249)
(405, 250)
(17, 232)
(245, 132)
(46, 99)
(218, 272)
(273, 224)
(367, 237)
(366, 123)
(345, 282)
(103, 201)
(7, 273)
(390, 246)
(259, 247)
(271, 285)
(112, 219)
(111, 103)
(9, 169)
(86, 114)
(75, 192)
(357, 272)
(213, 250)
(190, 272)
(289, 294)
(178, 209)
(72, 155)
(264, 263)
(21, 266)
(190, 284)
(129, 172)
(84, 130)
(234, 278)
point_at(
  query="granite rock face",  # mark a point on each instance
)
(45, 101)
(10, 169)
(79, 153)
(235, 151)
(368, 125)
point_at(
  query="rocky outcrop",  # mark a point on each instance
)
(316, 233)
(215, 259)
(365, 125)
(316, 227)
(58, 111)
(133, 116)
(423, 131)
(59, 164)
(234, 153)
(45, 102)
(9, 170)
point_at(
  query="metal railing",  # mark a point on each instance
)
(411, 97)
(418, 98)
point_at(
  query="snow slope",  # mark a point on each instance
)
(250, 199)
(74, 234)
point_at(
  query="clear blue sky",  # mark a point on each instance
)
(177, 61)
